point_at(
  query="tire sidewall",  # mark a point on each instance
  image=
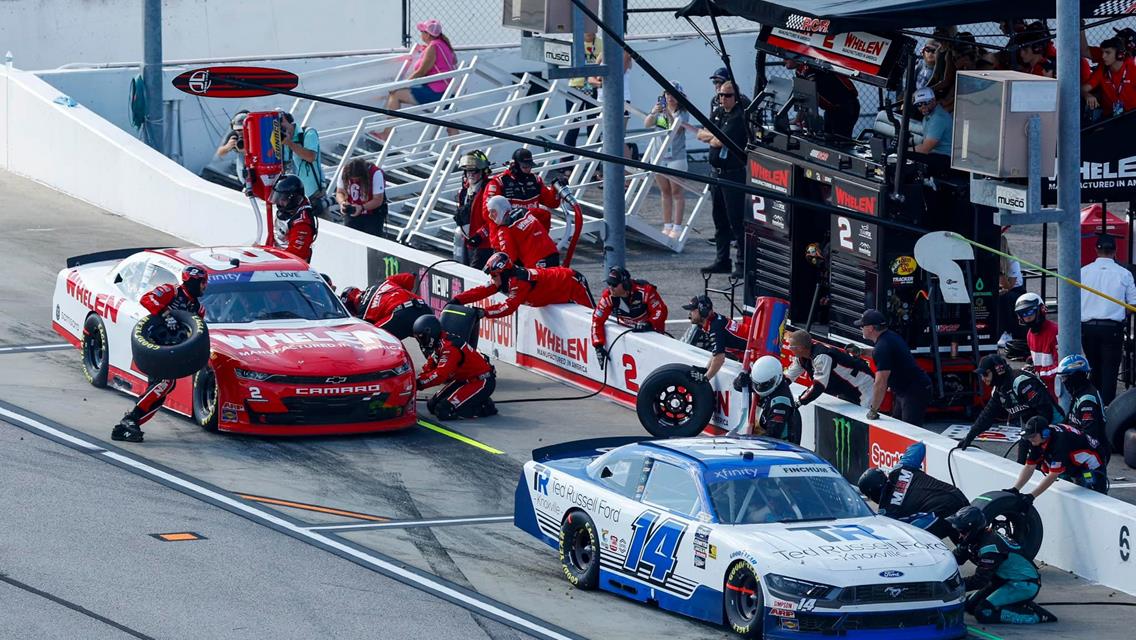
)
(1027, 525)
(206, 419)
(574, 522)
(93, 326)
(1130, 448)
(747, 629)
(171, 362)
(662, 378)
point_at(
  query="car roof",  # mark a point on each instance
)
(729, 452)
(219, 259)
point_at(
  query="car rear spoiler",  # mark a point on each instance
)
(582, 448)
(102, 256)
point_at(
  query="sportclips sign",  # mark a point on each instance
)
(858, 51)
(853, 446)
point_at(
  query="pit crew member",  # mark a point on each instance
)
(831, 371)
(518, 233)
(1021, 395)
(297, 225)
(534, 287)
(160, 302)
(635, 303)
(727, 336)
(779, 417)
(1086, 408)
(907, 491)
(391, 305)
(525, 189)
(470, 215)
(467, 376)
(1041, 336)
(1060, 451)
(1006, 582)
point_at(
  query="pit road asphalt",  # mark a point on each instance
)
(77, 514)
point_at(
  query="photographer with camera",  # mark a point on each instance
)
(234, 142)
(302, 151)
(360, 192)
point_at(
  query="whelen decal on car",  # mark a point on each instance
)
(337, 391)
(102, 304)
(281, 340)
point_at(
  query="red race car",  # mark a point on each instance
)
(287, 358)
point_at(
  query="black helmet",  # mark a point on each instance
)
(428, 332)
(617, 276)
(287, 195)
(996, 365)
(523, 157)
(350, 297)
(968, 521)
(193, 278)
(872, 484)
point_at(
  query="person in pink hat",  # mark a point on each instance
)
(433, 56)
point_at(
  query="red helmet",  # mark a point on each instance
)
(193, 278)
(350, 297)
(498, 263)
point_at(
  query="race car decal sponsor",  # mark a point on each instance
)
(67, 321)
(653, 551)
(232, 406)
(783, 608)
(790, 470)
(276, 341)
(902, 484)
(854, 542)
(240, 276)
(103, 304)
(701, 546)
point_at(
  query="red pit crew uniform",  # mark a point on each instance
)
(525, 190)
(642, 304)
(534, 287)
(1043, 352)
(468, 377)
(525, 239)
(393, 305)
(175, 298)
(298, 234)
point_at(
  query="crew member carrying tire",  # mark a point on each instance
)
(1006, 582)
(1086, 408)
(831, 371)
(534, 287)
(778, 415)
(635, 303)
(1022, 395)
(727, 336)
(297, 228)
(525, 189)
(161, 302)
(517, 232)
(1041, 336)
(391, 305)
(467, 376)
(907, 491)
(1060, 451)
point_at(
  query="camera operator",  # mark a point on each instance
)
(302, 152)
(234, 142)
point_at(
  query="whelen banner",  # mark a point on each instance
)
(858, 51)
(1108, 169)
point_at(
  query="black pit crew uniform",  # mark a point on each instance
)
(834, 372)
(910, 491)
(726, 335)
(1024, 397)
(779, 416)
(1072, 455)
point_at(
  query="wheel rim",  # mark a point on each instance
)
(1005, 525)
(674, 405)
(95, 353)
(745, 600)
(207, 392)
(583, 553)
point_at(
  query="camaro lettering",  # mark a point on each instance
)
(337, 391)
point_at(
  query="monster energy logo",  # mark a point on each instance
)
(390, 266)
(842, 432)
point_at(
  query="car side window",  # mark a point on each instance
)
(129, 277)
(622, 472)
(671, 487)
(156, 276)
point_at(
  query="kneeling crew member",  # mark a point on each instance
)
(1060, 451)
(1086, 409)
(517, 232)
(534, 287)
(635, 303)
(392, 305)
(727, 336)
(831, 370)
(907, 490)
(779, 416)
(1022, 395)
(1006, 582)
(468, 377)
(297, 225)
(161, 301)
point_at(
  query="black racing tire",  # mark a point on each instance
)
(95, 351)
(671, 404)
(742, 599)
(1120, 416)
(1003, 511)
(163, 356)
(206, 398)
(580, 551)
(1130, 448)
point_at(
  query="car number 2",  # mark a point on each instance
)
(654, 545)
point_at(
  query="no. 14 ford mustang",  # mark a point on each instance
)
(287, 358)
(758, 534)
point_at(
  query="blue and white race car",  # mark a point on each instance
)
(755, 533)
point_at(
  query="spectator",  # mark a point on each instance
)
(593, 53)
(297, 224)
(1102, 321)
(1114, 80)
(361, 194)
(668, 114)
(435, 55)
(525, 189)
(937, 124)
(896, 370)
(1034, 46)
(302, 153)
(1011, 285)
(518, 234)
(235, 142)
(720, 75)
(635, 303)
(831, 371)
(474, 238)
(926, 65)
(728, 166)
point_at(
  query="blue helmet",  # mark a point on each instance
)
(1075, 363)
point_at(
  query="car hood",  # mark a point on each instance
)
(853, 544)
(309, 348)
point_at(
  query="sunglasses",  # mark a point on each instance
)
(726, 95)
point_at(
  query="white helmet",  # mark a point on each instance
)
(765, 375)
(499, 208)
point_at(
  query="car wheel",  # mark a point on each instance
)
(745, 607)
(1003, 511)
(168, 355)
(206, 398)
(580, 551)
(96, 355)
(671, 404)
(1130, 448)
(1120, 416)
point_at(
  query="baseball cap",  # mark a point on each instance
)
(431, 26)
(1106, 242)
(871, 317)
(700, 303)
(926, 94)
(721, 73)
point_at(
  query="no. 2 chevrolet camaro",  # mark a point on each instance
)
(758, 534)
(287, 358)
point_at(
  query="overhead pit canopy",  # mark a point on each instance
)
(842, 16)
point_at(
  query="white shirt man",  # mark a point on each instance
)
(1102, 321)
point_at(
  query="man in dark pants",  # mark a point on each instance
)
(895, 370)
(727, 165)
(1102, 321)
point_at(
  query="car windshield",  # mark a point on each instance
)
(251, 301)
(786, 499)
